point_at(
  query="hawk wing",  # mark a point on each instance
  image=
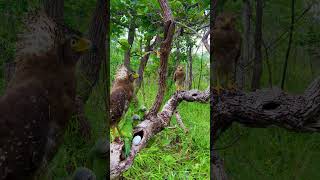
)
(24, 117)
(119, 104)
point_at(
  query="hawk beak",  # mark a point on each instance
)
(135, 75)
(82, 45)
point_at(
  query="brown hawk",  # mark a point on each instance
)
(226, 51)
(179, 77)
(38, 102)
(121, 95)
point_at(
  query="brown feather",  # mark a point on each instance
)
(121, 95)
(35, 109)
(179, 76)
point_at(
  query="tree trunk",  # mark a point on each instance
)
(89, 66)
(289, 45)
(213, 16)
(205, 40)
(200, 73)
(257, 68)
(131, 33)
(245, 55)
(54, 8)
(268, 64)
(165, 49)
(9, 68)
(190, 66)
(90, 63)
(144, 60)
(217, 171)
(143, 64)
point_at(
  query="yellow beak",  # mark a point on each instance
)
(82, 44)
(135, 75)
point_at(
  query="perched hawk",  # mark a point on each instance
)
(179, 77)
(226, 51)
(121, 95)
(38, 103)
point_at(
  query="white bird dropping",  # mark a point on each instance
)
(136, 140)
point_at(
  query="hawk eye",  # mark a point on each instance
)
(73, 42)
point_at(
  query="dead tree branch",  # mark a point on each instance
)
(205, 40)
(263, 108)
(149, 128)
(180, 122)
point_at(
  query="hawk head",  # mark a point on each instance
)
(126, 74)
(73, 46)
(43, 36)
(179, 68)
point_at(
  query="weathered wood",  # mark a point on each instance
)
(263, 108)
(180, 122)
(149, 128)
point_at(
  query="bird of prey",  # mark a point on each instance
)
(179, 77)
(226, 51)
(121, 95)
(38, 102)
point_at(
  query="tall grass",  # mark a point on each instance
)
(172, 154)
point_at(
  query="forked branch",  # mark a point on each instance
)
(149, 128)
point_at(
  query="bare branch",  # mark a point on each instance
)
(180, 122)
(205, 40)
(263, 108)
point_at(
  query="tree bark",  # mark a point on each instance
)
(205, 40)
(190, 66)
(131, 34)
(268, 107)
(144, 60)
(200, 73)
(89, 65)
(165, 48)
(289, 45)
(268, 64)
(257, 68)
(262, 109)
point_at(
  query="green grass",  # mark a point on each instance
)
(172, 154)
(271, 153)
(74, 152)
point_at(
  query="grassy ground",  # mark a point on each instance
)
(172, 154)
(74, 151)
